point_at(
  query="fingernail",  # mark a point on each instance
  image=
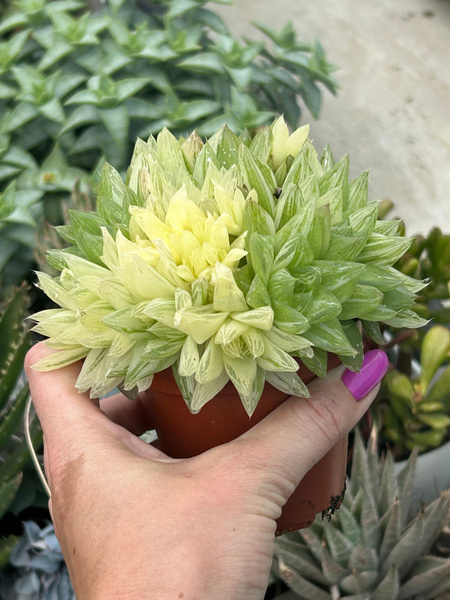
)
(373, 369)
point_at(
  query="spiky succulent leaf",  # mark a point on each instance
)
(14, 394)
(233, 260)
(369, 548)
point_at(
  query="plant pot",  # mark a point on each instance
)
(182, 434)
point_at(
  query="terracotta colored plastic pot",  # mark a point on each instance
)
(183, 435)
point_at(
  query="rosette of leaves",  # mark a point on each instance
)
(76, 86)
(229, 260)
(370, 549)
(13, 397)
(37, 569)
(18, 213)
(415, 410)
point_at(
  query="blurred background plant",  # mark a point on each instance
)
(37, 570)
(76, 87)
(14, 487)
(415, 407)
(372, 547)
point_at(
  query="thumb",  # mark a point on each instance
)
(293, 438)
(60, 407)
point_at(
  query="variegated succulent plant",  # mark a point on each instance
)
(227, 260)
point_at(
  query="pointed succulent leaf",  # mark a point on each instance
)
(204, 392)
(371, 532)
(319, 236)
(281, 287)
(363, 300)
(323, 306)
(358, 580)
(340, 278)
(275, 359)
(336, 176)
(256, 180)
(380, 313)
(388, 588)
(261, 318)
(317, 363)
(289, 383)
(358, 192)
(290, 320)
(340, 547)
(262, 252)
(349, 525)
(18, 457)
(289, 204)
(11, 420)
(257, 220)
(61, 359)
(250, 400)
(299, 584)
(351, 330)
(333, 571)
(363, 558)
(330, 336)
(299, 558)
(388, 489)
(8, 490)
(427, 572)
(227, 295)
(364, 219)
(334, 200)
(258, 295)
(381, 250)
(373, 330)
(404, 318)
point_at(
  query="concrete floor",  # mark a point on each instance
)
(392, 113)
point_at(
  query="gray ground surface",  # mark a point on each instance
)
(392, 113)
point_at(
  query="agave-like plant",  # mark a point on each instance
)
(371, 548)
(14, 454)
(227, 260)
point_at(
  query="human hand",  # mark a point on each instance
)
(134, 523)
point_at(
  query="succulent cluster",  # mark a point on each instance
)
(76, 86)
(415, 409)
(370, 549)
(429, 258)
(227, 260)
(13, 396)
(37, 569)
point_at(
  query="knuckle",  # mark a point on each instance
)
(325, 413)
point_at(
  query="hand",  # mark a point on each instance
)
(134, 523)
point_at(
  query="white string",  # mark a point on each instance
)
(34, 458)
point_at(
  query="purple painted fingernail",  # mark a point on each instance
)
(374, 367)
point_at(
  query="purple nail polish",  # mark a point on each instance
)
(374, 367)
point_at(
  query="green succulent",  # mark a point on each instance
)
(429, 258)
(227, 260)
(370, 549)
(76, 86)
(415, 409)
(13, 396)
